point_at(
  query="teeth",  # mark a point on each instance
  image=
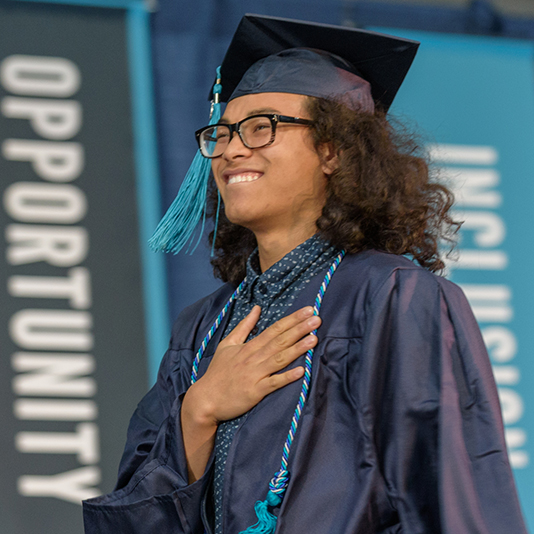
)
(245, 177)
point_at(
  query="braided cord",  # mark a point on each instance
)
(280, 480)
(212, 331)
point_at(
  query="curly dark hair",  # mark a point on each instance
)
(381, 195)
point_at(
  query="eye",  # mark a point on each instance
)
(261, 126)
(258, 127)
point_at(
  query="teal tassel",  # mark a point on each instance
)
(178, 225)
(266, 521)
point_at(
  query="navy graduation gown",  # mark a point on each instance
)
(402, 431)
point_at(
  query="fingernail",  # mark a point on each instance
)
(314, 321)
(307, 311)
(310, 340)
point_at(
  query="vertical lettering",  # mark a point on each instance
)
(72, 486)
(57, 161)
(52, 330)
(45, 203)
(62, 247)
(83, 442)
(51, 119)
(40, 76)
(75, 287)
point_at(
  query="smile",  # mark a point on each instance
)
(243, 177)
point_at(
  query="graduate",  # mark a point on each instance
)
(334, 384)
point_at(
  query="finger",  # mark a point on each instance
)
(288, 322)
(287, 338)
(240, 333)
(282, 359)
(279, 380)
(283, 325)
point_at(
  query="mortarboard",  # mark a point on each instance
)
(268, 54)
(382, 60)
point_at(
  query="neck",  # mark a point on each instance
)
(272, 247)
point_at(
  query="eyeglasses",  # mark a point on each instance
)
(255, 132)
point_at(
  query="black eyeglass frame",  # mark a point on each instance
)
(274, 118)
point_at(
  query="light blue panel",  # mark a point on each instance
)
(478, 94)
(154, 275)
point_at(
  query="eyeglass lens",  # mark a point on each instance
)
(255, 132)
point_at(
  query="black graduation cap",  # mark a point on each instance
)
(382, 60)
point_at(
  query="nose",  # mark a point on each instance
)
(236, 148)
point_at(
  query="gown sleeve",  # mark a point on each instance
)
(432, 411)
(152, 493)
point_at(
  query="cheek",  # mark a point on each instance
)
(308, 173)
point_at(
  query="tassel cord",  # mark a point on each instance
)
(266, 523)
(177, 227)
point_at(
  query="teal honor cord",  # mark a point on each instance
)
(277, 486)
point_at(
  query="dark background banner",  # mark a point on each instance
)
(72, 332)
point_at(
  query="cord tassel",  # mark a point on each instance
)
(177, 226)
(266, 520)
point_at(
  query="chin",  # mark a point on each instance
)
(240, 213)
(251, 223)
(237, 218)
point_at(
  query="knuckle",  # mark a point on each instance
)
(278, 328)
(279, 343)
(279, 358)
(287, 379)
(273, 383)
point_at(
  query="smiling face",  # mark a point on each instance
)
(277, 188)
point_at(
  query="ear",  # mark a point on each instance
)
(329, 158)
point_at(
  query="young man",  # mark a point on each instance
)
(340, 388)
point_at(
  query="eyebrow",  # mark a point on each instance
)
(258, 111)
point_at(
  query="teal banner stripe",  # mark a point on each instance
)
(146, 161)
